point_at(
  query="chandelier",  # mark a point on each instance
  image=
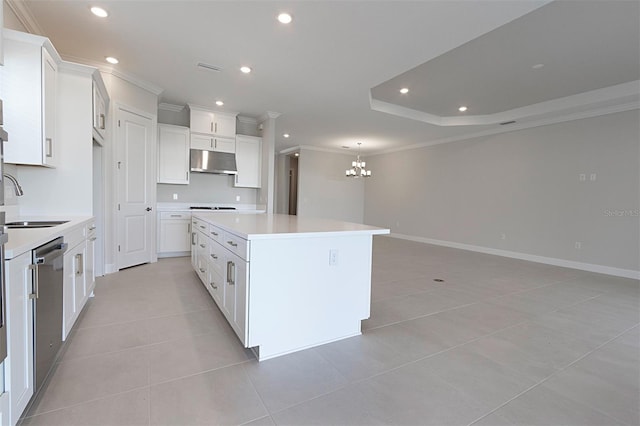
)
(357, 167)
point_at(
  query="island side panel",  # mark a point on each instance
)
(298, 299)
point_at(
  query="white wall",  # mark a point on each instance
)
(524, 184)
(323, 189)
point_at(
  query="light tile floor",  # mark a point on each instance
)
(499, 342)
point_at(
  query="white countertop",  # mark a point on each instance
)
(261, 226)
(23, 240)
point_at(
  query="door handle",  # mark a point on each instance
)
(148, 209)
(36, 293)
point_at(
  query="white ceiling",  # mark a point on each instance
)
(317, 71)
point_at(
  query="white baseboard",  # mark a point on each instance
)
(110, 268)
(590, 267)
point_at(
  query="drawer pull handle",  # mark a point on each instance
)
(213, 256)
(215, 287)
(202, 226)
(202, 270)
(202, 245)
(232, 244)
(214, 233)
(176, 215)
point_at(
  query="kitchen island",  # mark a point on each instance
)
(283, 282)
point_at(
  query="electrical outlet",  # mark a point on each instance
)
(397, 224)
(578, 245)
(503, 236)
(582, 177)
(592, 177)
(175, 196)
(333, 257)
(237, 198)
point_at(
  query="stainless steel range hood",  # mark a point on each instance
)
(221, 163)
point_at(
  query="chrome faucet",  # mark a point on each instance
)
(16, 185)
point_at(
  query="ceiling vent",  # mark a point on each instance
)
(209, 67)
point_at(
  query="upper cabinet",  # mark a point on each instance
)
(215, 123)
(28, 88)
(173, 154)
(248, 161)
(99, 110)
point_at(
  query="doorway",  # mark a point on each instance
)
(136, 170)
(293, 184)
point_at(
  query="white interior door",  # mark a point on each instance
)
(136, 188)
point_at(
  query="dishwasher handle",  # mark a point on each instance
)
(50, 256)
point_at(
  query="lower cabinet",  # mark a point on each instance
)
(223, 273)
(79, 275)
(174, 234)
(19, 305)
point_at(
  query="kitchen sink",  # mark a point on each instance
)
(35, 224)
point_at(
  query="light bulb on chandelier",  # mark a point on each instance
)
(358, 167)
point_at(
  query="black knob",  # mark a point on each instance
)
(148, 209)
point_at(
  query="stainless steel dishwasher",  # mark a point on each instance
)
(47, 295)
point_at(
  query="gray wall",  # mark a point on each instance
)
(323, 189)
(523, 184)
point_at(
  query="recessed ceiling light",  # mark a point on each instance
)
(537, 66)
(297, 154)
(286, 135)
(285, 18)
(98, 11)
(245, 69)
(404, 90)
(111, 60)
(219, 103)
(462, 109)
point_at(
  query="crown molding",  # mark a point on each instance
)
(24, 15)
(313, 148)
(212, 109)
(593, 99)
(170, 107)
(268, 115)
(612, 109)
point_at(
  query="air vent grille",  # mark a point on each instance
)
(209, 67)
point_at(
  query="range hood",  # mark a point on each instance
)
(221, 163)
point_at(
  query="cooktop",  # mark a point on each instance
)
(211, 208)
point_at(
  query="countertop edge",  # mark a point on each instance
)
(25, 240)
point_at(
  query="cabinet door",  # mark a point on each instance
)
(248, 161)
(80, 288)
(49, 72)
(173, 154)
(90, 263)
(201, 142)
(19, 306)
(175, 235)
(235, 295)
(215, 285)
(99, 111)
(224, 144)
(202, 121)
(224, 125)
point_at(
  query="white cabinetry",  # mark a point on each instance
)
(173, 154)
(248, 161)
(79, 278)
(208, 122)
(212, 131)
(29, 93)
(174, 233)
(99, 110)
(220, 260)
(19, 374)
(213, 143)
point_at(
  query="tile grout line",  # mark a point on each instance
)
(555, 373)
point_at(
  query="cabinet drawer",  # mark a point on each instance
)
(75, 236)
(175, 215)
(216, 234)
(237, 245)
(216, 257)
(201, 226)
